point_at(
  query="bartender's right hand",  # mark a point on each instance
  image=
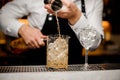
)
(32, 36)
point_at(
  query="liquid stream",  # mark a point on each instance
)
(57, 51)
(58, 25)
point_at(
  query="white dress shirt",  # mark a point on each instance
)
(34, 9)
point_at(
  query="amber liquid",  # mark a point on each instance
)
(57, 50)
(58, 25)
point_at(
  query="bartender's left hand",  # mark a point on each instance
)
(69, 11)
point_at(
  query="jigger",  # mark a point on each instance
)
(55, 4)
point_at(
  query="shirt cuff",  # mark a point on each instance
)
(12, 29)
(81, 23)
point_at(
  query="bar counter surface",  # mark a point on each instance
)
(108, 71)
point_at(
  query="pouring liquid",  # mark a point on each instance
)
(57, 49)
(58, 25)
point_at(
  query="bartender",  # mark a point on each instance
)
(73, 15)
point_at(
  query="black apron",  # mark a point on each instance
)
(38, 56)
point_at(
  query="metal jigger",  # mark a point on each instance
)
(55, 5)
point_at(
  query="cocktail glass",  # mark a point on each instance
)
(87, 39)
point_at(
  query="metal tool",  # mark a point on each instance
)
(55, 5)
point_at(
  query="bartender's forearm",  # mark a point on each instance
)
(9, 25)
(9, 15)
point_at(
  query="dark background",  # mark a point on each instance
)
(112, 14)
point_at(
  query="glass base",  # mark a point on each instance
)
(89, 67)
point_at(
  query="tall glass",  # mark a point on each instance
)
(57, 51)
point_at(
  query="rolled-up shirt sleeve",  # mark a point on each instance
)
(94, 19)
(9, 15)
(81, 23)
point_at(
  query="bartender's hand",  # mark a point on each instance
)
(32, 36)
(69, 11)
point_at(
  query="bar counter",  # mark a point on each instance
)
(108, 71)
